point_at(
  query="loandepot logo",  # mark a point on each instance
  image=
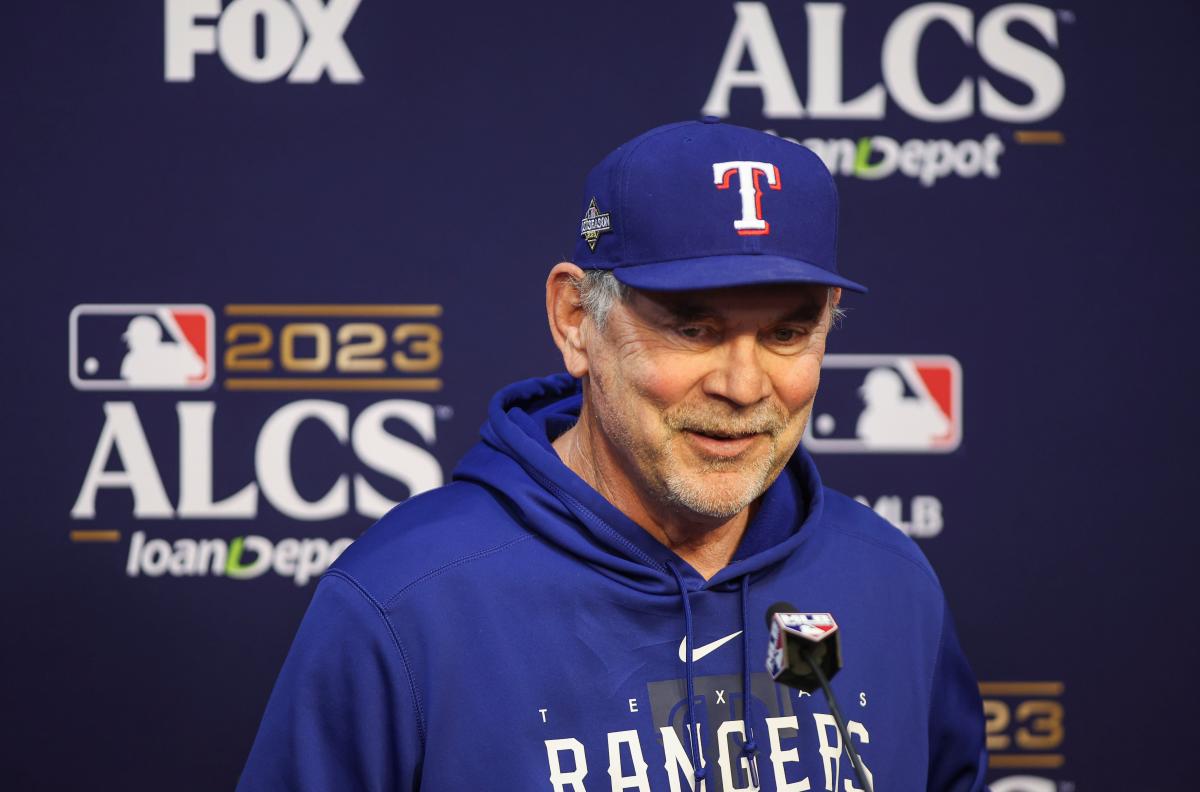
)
(1015, 41)
(877, 157)
(241, 558)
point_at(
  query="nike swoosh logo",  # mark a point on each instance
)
(702, 651)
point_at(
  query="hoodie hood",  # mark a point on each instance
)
(516, 460)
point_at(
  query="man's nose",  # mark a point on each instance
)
(738, 375)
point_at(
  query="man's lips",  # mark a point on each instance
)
(720, 446)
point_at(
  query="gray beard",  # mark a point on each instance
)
(682, 490)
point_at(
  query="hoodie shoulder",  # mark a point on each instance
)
(427, 534)
(889, 545)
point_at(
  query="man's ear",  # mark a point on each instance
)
(567, 317)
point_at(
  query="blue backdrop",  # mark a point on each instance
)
(332, 223)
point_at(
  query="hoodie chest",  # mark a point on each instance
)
(582, 683)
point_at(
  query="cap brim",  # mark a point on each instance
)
(718, 272)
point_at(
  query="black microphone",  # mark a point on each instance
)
(804, 653)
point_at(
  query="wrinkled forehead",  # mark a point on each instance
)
(775, 302)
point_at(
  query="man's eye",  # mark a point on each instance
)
(788, 335)
(691, 331)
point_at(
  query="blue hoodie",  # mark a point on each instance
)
(513, 630)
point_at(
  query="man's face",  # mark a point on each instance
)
(704, 395)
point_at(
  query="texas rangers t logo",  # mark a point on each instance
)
(751, 222)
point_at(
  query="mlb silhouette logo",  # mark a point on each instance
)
(872, 404)
(142, 347)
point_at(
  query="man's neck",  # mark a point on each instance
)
(706, 543)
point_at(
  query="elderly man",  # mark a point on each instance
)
(582, 607)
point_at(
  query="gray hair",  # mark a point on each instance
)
(599, 290)
(837, 314)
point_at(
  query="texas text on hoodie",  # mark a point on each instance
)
(514, 631)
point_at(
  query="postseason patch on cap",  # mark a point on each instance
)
(594, 224)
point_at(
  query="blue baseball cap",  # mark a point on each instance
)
(705, 205)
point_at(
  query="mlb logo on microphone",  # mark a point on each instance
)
(880, 404)
(142, 347)
(810, 625)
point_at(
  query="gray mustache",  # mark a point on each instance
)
(727, 426)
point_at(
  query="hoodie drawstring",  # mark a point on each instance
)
(698, 773)
(750, 747)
